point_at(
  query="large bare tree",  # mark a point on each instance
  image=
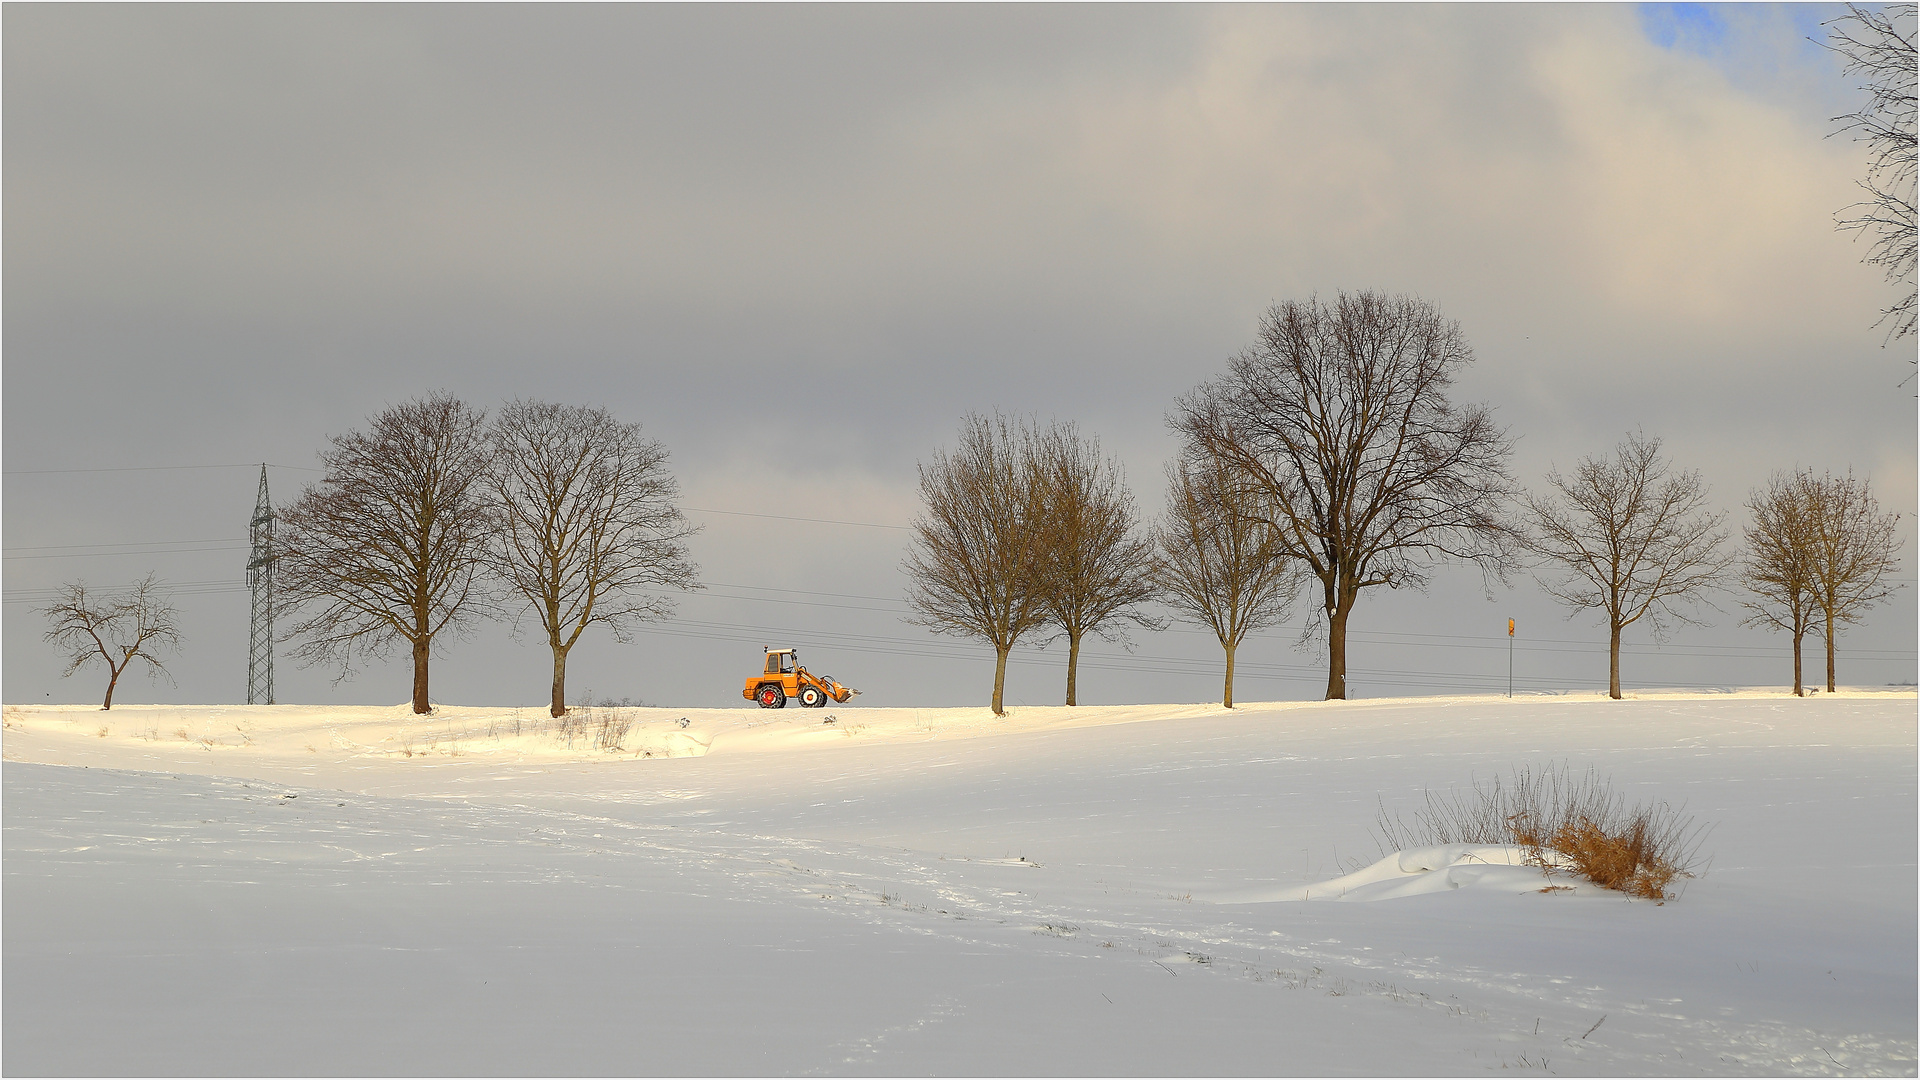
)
(1217, 563)
(1879, 46)
(1855, 554)
(1093, 571)
(135, 623)
(1778, 568)
(1626, 536)
(1337, 419)
(389, 546)
(976, 549)
(587, 523)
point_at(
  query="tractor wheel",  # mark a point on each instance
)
(811, 697)
(771, 697)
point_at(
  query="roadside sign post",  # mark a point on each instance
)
(1509, 657)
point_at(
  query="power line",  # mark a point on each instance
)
(783, 517)
(152, 551)
(153, 468)
(131, 543)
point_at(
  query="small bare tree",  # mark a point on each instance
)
(976, 550)
(1093, 570)
(1855, 550)
(1879, 46)
(134, 623)
(1778, 568)
(1338, 418)
(1217, 563)
(388, 547)
(1629, 540)
(587, 522)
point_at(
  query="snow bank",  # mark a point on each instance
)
(941, 891)
(523, 735)
(1420, 871)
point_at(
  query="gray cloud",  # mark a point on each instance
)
(798, 242)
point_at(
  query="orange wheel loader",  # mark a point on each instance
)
(782, 677)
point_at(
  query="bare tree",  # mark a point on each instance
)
(1854, 553)
(1217, 563)
(976, 550)
(1879, 46)
(1778, 568)
(130, 624)
(1629, 539)
(587, 522)
(388, 547)
(1337, 419)
(1093, 569)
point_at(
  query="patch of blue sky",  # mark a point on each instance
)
(1770, 50)
(1695, 28)
(1719, 31)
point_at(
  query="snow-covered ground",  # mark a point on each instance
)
(290, 889)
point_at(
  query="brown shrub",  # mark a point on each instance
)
(1629, 861)
(1561, 819)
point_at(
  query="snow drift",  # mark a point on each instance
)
(301, 889)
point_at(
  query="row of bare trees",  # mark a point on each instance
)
(433, 518)
(1636, 541)
(1331, 453)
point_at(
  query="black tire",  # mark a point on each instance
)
(770, 696)
(811, 697)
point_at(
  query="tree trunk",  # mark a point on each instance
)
(1613, 661)
(999, 680)
(114, 678)
(421, 705)
(1830, 685)
(559, 708)
(1799, 689)
(1073, 664)
(1337, 647)
(1227, 698)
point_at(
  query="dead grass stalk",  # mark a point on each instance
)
(1562, 819)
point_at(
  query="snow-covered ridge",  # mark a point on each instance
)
(942, 891)
(527, 734)
(1419, 871)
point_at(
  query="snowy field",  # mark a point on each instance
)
(305, 890)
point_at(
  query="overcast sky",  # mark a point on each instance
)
(798, 243)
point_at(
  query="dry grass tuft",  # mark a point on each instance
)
(1629, 861)
(1562, 819)
(614, 726)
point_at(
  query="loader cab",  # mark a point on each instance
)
(780, 662)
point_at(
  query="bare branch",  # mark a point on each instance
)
(1627, 539)
(1092, 574)
(1337, 423)
(387, 547)
(135, 623)
(977, 547)
(587, 523)
(1879, 47)
(1217, 563)
(1855, 553)
(1779, 565)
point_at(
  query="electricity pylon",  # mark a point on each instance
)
(260, 580)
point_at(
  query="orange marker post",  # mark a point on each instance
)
(1509, 657)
